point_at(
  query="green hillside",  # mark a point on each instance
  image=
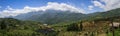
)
(14, 27)
(95, 24)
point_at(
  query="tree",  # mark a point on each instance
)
(75, 27)
(81, 26)
(72, 27)
(3, 25)
(112, 27)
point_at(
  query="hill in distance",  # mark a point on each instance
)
(13, 27)
(57, 16)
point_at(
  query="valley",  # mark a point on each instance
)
(62, 24)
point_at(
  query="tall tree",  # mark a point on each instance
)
(112, 27)
(81, 26)
(3, 25)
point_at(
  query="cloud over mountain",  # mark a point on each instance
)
(50, 6)
(107, 4)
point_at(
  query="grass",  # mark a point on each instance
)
(117, 33)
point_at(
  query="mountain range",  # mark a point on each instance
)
(57, 16)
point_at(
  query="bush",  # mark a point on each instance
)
(75, 27)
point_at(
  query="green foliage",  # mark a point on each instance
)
(20, 33)
(117, 33)
(14, 27)
(75, 27)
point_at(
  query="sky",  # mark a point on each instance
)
(16, 7)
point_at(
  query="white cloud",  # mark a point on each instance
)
(9, 8)
(109, 4)
(90, 7)
(98, 4)
(50, 5)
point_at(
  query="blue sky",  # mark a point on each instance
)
(10, 7)
(35, 3)
(19, 4)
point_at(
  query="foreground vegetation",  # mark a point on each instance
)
(14, 27)
(98, 25)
